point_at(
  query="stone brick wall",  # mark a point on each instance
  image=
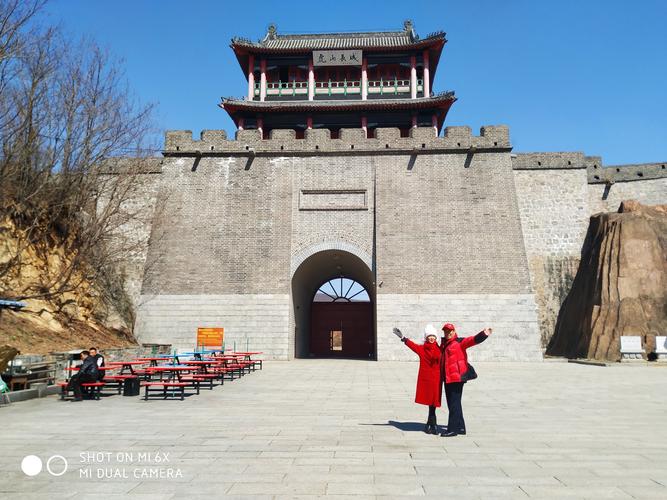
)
(256, 321)
(344, 212)
(608, 197)
(224, 228)
(452, 228)
(448, 223)
(435, 215)
(512, 316)
(552, 196)
(135, 183)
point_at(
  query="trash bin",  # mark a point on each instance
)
(131, 386)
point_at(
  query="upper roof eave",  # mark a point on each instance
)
(293, 46)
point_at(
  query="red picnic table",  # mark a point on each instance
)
(223, 365)
(77, 368)
(153, 361)
(174, 380)
(125, 365)
(210, 369)
(247, 357)
(175, 370)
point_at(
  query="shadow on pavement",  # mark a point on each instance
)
(403, 426)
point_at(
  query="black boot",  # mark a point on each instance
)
(434, 426)
(430, 427)
(429, 424)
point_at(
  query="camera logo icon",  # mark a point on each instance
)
(56, 465)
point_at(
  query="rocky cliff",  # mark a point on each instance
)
(620, 287)
(75, 319)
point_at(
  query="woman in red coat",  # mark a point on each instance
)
(429, 387)
(454, 368)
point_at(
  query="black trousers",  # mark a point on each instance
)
(76, 381)
(454, 393)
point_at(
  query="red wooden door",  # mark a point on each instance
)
(343, 329)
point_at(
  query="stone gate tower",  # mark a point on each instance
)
(339, 170)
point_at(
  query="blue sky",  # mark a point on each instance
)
(564, 75)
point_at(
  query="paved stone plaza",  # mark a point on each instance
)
(349, 429)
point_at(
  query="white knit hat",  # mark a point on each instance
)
(430, 330)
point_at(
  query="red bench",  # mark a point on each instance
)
(197, 379)
(220, 371)
(162, 388)
(95, 387)
(239, 367)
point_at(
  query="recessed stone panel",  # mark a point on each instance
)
(333, 199)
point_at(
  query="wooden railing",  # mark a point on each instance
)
(340, 87)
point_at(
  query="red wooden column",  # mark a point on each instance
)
(309, 122)
(364, 125)
(413, 77)
(414, 121)
(260, 127)
(311, 80)
(434, 123)
(427, 75)
(364, 79)
(241, 123)
(262, 80)
(251, 77)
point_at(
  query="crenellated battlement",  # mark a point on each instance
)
(455, 139)
(546, 161)
(597, 174)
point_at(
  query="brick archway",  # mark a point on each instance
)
(312, 270)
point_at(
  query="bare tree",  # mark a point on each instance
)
(66, 117)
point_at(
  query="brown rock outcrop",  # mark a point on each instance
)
(7, 353)
(620, 287)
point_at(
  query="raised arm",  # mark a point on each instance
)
(418, 349)
(476, 339)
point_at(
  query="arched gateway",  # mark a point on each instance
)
(333, 306)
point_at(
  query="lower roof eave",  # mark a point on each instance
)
(440, 102)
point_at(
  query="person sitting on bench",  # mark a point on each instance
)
(99, 359)
(87, 373)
